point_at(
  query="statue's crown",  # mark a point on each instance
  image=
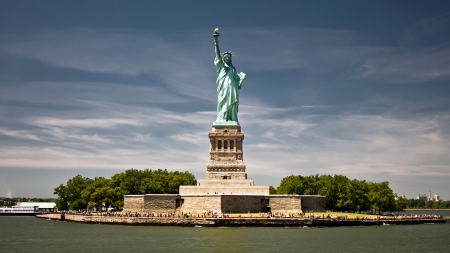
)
(228, 52)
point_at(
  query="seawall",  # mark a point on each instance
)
(232, 222)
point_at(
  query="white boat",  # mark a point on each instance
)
(19, 211)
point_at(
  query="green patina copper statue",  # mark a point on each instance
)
(228, 84)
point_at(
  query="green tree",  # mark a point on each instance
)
(180, 178)
(341, 187)
(98, 193)
(400, 204)
(69, 195)
(411, 203)
(437, 204)
(62, 201)
(381, 197)
(334, 188)
(78, 204)
(445, 204)
(429, 204)
(310, 184)
(150, 186)
(74, 187)
(272, 190)
(128, 182)
(147, 181)
(291, 185)
(356, 197)
(420, 203)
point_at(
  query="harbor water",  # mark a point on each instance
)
(30, 234)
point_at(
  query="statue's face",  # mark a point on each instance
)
(227, 58)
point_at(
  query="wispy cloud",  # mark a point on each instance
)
(155, 118)
(408, 65)
(350, 144)
(20, 134)
(188, 70)
(123, 52)
(83, 123)
(351, 53)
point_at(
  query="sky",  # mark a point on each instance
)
(358, 88)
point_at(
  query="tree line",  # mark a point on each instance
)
(85, 193)
(343, 194)
(430, 204)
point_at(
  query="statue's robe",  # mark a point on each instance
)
(228, 83)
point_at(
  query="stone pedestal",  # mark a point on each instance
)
(226, 154)
(226, 188)
(225, 171)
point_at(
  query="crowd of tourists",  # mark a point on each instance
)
(372, 217)
(206, 214)
(328, 216)
(418, 216)
(214, 214)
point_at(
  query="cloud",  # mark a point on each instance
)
(155, 117)
(356, 145)
(92, 50)
(20, 134)
(276, 138)
(109, 136)
(195, 139)
(300, 48)
(83, 123)
(408, 66)
(187, 71)
(123, 52)
(431, 30)
(344, 53)
(281, 140)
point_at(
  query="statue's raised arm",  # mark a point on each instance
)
(228, 84)
(216, 42)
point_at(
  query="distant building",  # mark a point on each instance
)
(423, 197)
(428, 198)
(43, 206)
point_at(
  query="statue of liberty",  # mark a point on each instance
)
(228, 84)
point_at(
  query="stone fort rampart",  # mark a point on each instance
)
(176, 203)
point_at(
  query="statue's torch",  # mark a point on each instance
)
(216, 32)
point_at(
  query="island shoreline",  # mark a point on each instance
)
(234, 222)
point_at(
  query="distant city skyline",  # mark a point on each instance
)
(358, 88)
